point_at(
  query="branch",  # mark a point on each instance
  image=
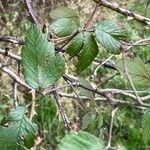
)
(102, 93)
(32, 13)
(111, 126)
(123, 11)
(9, 54)
(61, 110)
(14, 76)
(103, 100)
(91, 17)
(11, 39)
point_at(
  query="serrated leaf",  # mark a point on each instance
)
(107, 33)
(76, 45)
(41, 68)
(16, 114)
(8, 140)
(63, 27)
(65, 12)
(89, 52)
(21, 129)
(81, 141)
(136, 69)
(146, 126)
(91, 121)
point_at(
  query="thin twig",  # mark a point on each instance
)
(9, 54)
(14, 76)
(32, 112)
(97, 91)
(123, 11)
(95, 72)
(15, 98)
(111, 127)
(32, 13)
(11, 39)
(61, 110)
(130, 80)
(80, 100)
(91, 16)
(103, 100)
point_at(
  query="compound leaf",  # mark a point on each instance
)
(41, 67)
(20, 130)
(107, 33)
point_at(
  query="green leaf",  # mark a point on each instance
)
(107, 33)
(41, 68)
(63, 27)
(146, 126)
(76, 45)
(81, 141)
(65, 12)
(8, 140)
(20, 130)
(89, 52)
(91, 121)
(137, 71)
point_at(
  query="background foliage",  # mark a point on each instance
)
(131, 125)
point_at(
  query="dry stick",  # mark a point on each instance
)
(95, 72)
(103, 100)
(111, 127)
(80, 100)
(14, 76)
(61, 110)
(11, 39)
(32, 111)
(15, 103)
(9, 54)
(97, 91)
(15, 85)
(91, 16)
(32, 13)
(123, 11)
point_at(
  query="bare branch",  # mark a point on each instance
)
(9, 54)
(15, 98)
(32, 13)
(91, 16)
(123, 11)
(111, 127)
(11, 39)
(14, 76)
(61, 110)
